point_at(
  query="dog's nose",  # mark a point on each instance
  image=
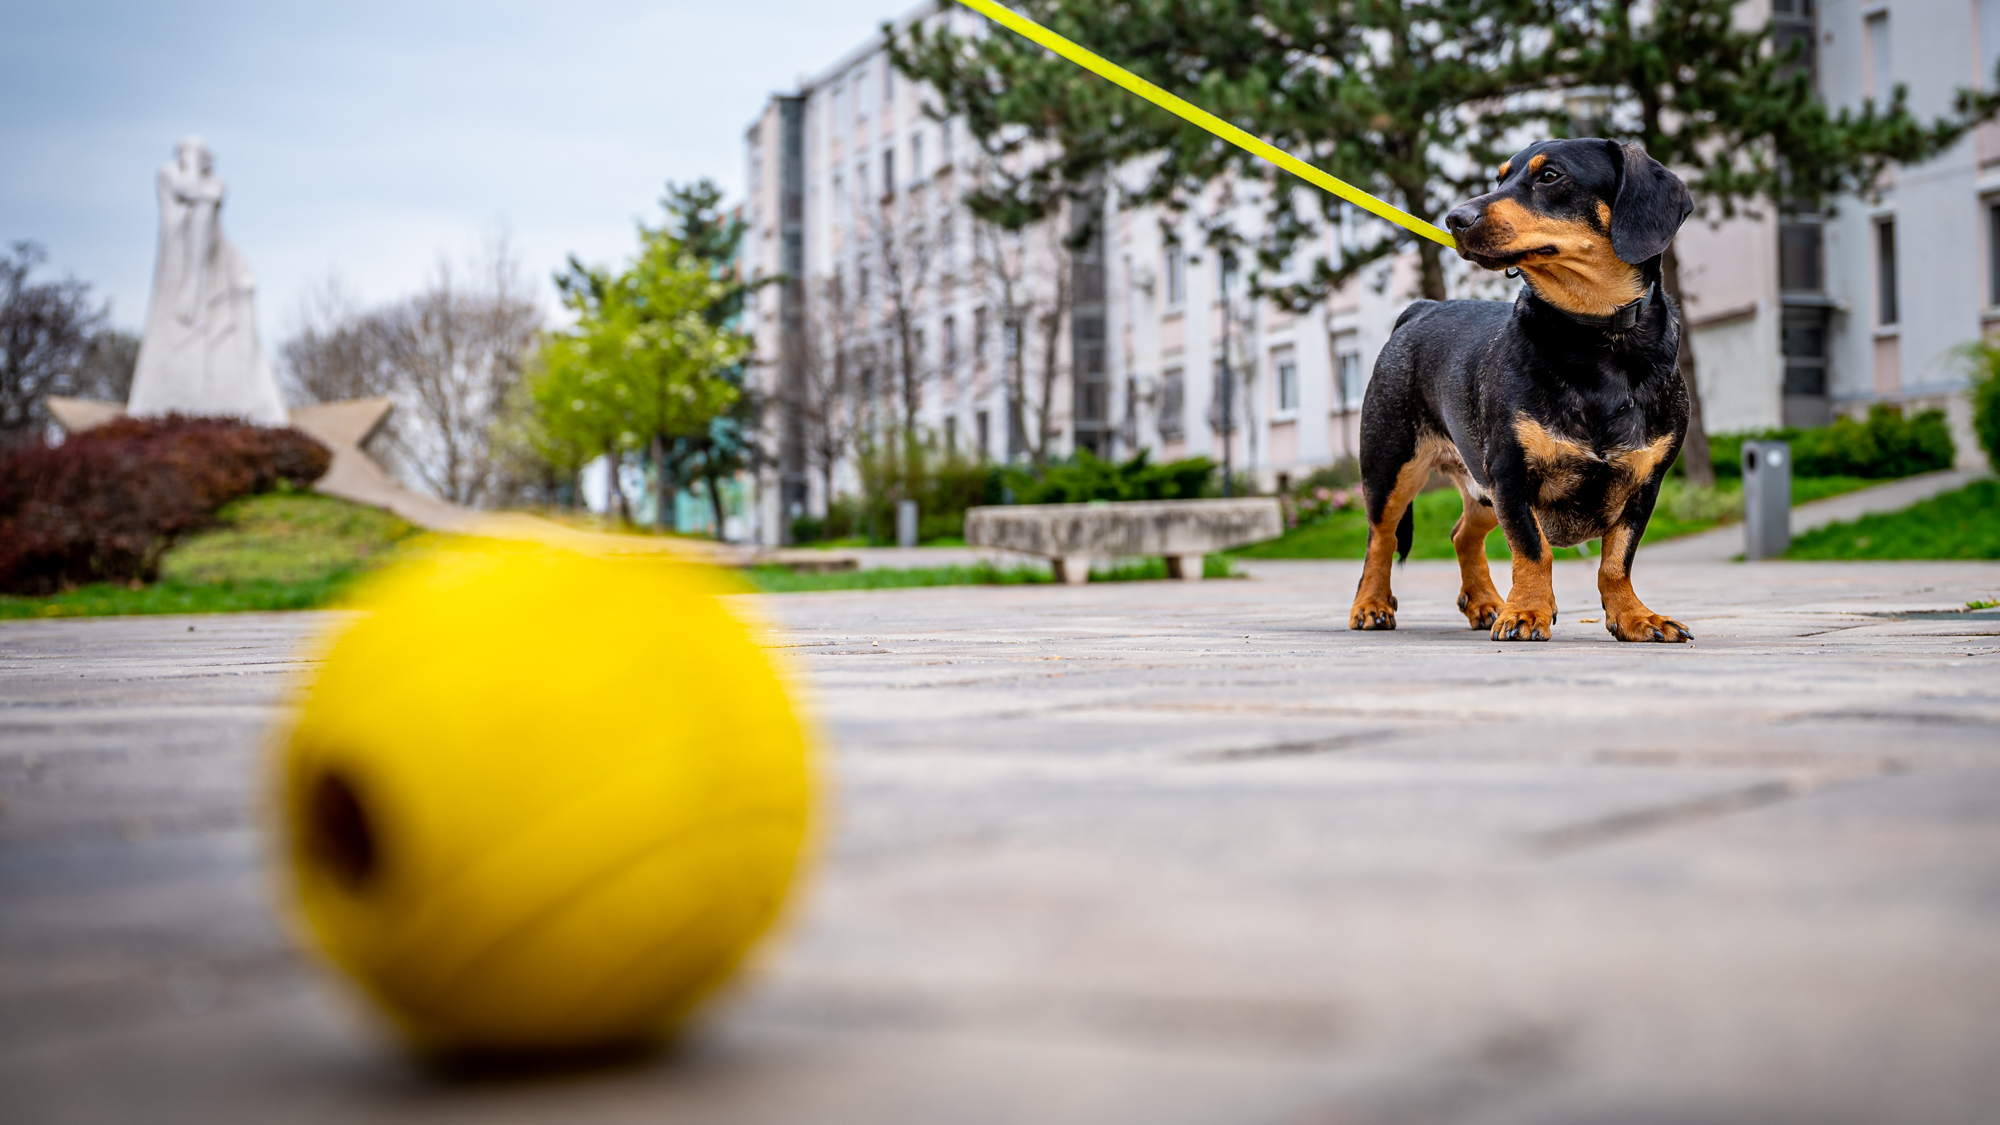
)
(1461, 218)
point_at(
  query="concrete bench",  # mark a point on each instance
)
(1071, 535)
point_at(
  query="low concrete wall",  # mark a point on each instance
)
(1071, 535)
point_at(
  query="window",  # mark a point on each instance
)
(888, 84)
(1350, 383)
(1993, 251)
(1176, 272)
(982, 433)
(951, 435)
(1799, 257)
(1285, 379)
(1803, 338)
(1877, 75)
(1989, 42)
(888, 173)
(948, 243)
(1792, 29)
(950, 344)
(979, 336)
(944, 142)
(916, 158)
(1885, 272)
(1173, 401)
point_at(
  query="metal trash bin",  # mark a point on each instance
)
(1767, 499)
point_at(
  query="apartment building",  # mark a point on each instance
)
(1158, 346)
(1797, 318)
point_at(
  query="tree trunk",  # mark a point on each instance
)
(1696, 461)
(660, 494)
(615, 508)
(715, 505)
(1430, 261)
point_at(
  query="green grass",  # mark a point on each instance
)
(272, 552)
(779, 580)
(1957, 525)
(1682, 510)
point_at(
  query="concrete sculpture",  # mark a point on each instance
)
(200, 353)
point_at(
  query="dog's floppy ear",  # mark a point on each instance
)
(1651, 206)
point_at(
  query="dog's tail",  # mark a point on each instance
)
(1406, 531)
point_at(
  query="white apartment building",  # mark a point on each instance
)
(1792, 320)
(1798, 318)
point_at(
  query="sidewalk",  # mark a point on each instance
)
(1146, 852)
(1726, 543)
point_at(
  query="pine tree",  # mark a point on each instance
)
(1406, 99)
(1736, 110)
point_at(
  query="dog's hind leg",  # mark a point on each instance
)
(1477, 598)
(1388, 496)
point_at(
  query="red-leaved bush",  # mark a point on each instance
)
(107, 503)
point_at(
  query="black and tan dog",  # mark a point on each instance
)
(1556, 415)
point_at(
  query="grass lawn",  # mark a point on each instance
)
(276, 551)
(303, 551)
(1681, 511)
(779, 580)
(1957, 525)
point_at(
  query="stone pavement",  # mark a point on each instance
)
(1143, 852)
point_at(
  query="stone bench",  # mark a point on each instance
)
(1071, 535)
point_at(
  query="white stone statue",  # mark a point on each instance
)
(200, 353)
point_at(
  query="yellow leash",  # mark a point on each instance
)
(1199, 116)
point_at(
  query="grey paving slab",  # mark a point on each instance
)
(1149, 852)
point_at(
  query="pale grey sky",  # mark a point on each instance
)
(363, 139)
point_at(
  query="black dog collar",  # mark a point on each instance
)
(1621, 319)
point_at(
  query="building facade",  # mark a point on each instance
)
(892, 304)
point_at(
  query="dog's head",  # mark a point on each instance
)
(1579, 218)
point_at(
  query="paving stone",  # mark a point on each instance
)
(1140, 852)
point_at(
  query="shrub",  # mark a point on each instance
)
(1887, 445)
(1985, 360)
(104, 505)
(1086, 477)
(944, 485)
(1326, 490)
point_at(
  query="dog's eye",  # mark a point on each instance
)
(1548, 176)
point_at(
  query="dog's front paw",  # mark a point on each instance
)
(1523, 623)
(1480, 608)
(1644, 625)
(1369, 614)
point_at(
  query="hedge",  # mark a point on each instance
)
(1887, 445)
(104, 505)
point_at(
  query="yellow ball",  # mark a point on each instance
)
(543, 800)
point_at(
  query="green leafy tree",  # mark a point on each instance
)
(712, 238)
(1737, 110)
(645, 365)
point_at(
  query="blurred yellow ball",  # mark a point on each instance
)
(543, 800)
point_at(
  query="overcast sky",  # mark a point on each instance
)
(363, 138)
